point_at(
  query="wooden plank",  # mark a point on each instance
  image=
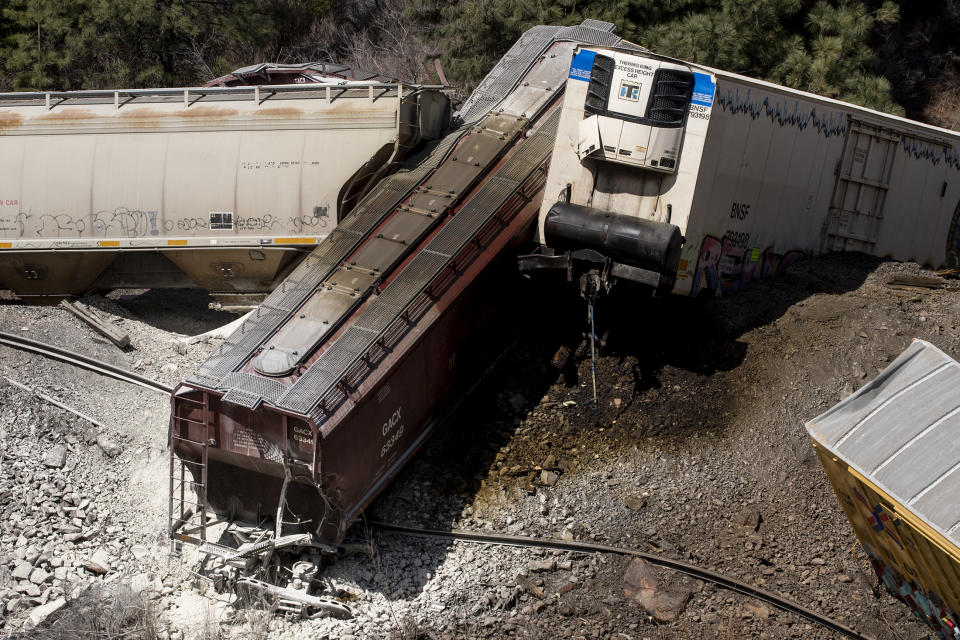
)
(90, 317)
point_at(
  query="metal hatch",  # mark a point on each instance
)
(467, 162)
(282, 354)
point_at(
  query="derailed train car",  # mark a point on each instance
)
(892, 453)
(676, 176)
(224, 188)
(306, 413)
(749, 175)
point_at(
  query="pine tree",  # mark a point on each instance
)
(134, 43)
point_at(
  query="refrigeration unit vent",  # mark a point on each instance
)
(635, 111)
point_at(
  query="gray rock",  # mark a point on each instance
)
(99, 563)
(110, 448)
(548, 478)
(12, 605)
(22, 571)
(39, 576)
(56, 457)
(41, 613)
(543, 565)
(140, 583)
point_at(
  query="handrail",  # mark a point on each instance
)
(253, 91)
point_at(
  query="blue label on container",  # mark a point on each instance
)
(702, 89)
(582, 65)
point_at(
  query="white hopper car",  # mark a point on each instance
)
(694, 179)
(221, 187)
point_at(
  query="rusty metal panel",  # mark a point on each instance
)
(453, 178)
(504, 124)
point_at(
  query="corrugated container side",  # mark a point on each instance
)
(916, 563)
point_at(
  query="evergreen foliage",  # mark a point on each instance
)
(51, 44)
(878, 53)
(824, 47)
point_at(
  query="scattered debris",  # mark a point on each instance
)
(529, 586)
(97, 322)
(543, 565)
(910, 282)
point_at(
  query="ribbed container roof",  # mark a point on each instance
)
(902, 432)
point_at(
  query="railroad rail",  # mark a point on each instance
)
(82, 361)
(700, 573)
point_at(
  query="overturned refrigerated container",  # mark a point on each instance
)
(749, 175)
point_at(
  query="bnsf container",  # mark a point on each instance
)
(753, 174)
(892, 453)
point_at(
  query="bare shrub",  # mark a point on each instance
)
(408, 629)
(111, 612)
(385, 40)
(944, 107)
(254, 611)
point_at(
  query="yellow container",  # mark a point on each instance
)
(892, 454)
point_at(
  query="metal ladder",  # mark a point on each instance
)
(182, 512)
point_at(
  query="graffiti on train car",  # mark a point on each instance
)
(15, 224)
(135, 223)
(726, 265)
(785, 114)
(927, 606)
(319, 220)
(933, 153)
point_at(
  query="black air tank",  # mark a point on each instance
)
(646, 244)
